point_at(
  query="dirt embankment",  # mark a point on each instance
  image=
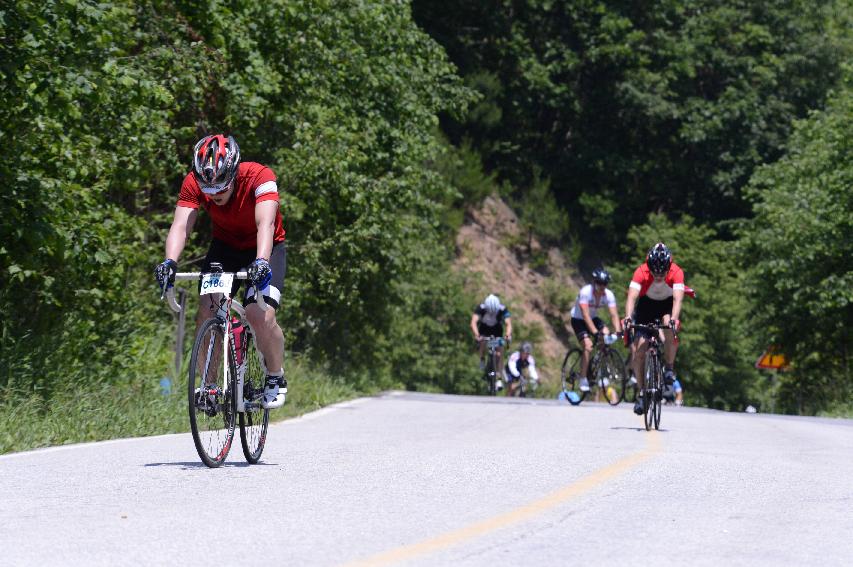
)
(534, 283)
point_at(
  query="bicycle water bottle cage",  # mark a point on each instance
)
(215, 268)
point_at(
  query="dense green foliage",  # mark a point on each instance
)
(630, 107)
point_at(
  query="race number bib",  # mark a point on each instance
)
(216, 283)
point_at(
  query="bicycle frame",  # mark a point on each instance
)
(493, 344)
(226, 305)
(654, 339)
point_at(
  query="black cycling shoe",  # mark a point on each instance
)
(639, 406)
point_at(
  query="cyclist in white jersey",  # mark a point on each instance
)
(517, 362)
(585, 321)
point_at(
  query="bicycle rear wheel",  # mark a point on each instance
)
(254, 420)
(614, 369)
(570, 373)
(492, 376)
(212, 404)
(659, 396)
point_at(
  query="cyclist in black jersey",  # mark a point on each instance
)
(491, 319)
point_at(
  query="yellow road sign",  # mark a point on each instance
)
(773, 359)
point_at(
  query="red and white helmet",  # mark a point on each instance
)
(215, 162)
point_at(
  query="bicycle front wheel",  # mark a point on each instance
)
(570, 373)
(614, 370)
(650, 394)
(210, 391)
(254, 420)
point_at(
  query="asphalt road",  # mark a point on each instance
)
(418, 479)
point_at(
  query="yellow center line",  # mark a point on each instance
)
(580, 486)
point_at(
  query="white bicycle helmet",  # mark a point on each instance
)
(492, 303)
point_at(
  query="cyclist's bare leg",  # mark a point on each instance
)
(670, 348)
(512, 388)
(638, 359)
(499, 356)
(586, 355)
(268, 336)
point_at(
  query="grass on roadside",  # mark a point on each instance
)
(102, 411)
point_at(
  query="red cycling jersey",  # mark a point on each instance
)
(234, 222)
(645, 282)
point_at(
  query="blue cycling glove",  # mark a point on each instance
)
(260, 273)
(165, 273)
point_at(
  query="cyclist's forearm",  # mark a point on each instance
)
(614, 317)
(677, 299)
(630, 301)
(265, 236)
(265, 214)
(179, 232)
(175, 241)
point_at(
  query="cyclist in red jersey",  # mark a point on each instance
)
(657, 292)
(242, 201)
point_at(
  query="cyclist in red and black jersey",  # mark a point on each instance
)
(657, 292)
(242, 201)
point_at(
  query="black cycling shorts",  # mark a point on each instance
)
(650, 310)
(234, 260)
(490, 331)
(579, 326)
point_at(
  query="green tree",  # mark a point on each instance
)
(101, 105)
(631, 108)
(799, 247)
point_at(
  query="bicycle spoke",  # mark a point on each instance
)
(254, 421)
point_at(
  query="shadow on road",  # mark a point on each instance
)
(643, 429)
(188, 465)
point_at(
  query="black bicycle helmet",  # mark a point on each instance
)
(601, 276)
(659, 259)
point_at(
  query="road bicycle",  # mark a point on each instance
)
(226, 374)
(653, 386)
(490, 373)
(607, 373)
